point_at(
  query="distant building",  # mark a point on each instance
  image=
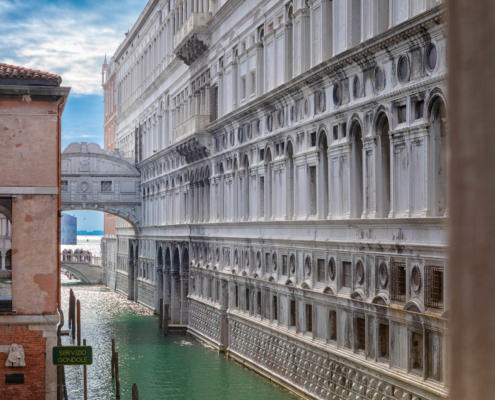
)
(31, 105)
(69, 229)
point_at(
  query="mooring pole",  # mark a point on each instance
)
(85, 373)
(78, 308)
(165, 320)
(117, 378)
(160, 312)
(135, 392)
(113, 358)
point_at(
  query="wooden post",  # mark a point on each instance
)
(117, 378)
(165, 320)
(160, 312)
(85, 373)
(72, 312)
(78, 308)
(135, 392)
(113, 358)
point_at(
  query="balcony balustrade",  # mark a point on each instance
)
(192, 38)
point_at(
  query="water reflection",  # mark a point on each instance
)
(173, 367)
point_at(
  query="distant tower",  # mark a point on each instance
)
(104, 71)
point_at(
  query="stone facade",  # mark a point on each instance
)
(293, 172)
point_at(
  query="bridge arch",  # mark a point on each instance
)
(93, 179)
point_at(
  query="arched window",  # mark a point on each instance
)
(355, 21)
(383, 165)
(438, 157)
(382, 15)
(247, 178)
(268, 184)
(290, 180)
(235, 191)
(289, 55)
(323, 176)
(356, 171)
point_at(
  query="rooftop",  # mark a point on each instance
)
(14, 75)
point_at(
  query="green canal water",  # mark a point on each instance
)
(173, 367)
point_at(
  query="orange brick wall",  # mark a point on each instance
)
(34, 373)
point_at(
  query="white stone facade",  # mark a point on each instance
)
(292, 158)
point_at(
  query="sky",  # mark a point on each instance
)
(71, 39)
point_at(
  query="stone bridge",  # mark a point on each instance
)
(93, 179)
(88, 273)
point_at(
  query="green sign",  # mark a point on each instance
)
(72, 355)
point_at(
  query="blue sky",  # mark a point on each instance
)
(69, 38)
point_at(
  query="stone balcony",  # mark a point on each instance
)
(193, 125)
(192, 38)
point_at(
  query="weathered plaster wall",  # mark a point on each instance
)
(29, 143)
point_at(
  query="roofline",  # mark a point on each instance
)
(142, 19)
(38, 91)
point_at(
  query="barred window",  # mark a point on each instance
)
(292, 320)
(321, 270)
(309, 318)
(434, 286)
(383, 339)
(64, 185)
(398, 282)
(347, 272)
(106, 186)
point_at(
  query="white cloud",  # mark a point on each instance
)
(67, 41)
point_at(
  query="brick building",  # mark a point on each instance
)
(31, 105)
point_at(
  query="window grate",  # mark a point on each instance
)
(398, 282)
(434, 286)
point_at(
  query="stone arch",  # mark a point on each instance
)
(438, 157)
(246, 185)
(323, 186)
(415, 305)
(384, 158)
(159, 277)
(356, 164)
(290, 178)
(381, 299)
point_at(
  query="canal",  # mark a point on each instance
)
(172, 367)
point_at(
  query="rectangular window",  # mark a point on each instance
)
(360, 334)
(312, 190)
(419, 109)
(417, 352)
(6, 256)
(247, 299)
(434, 286)
(321, 270)
(64, 186)
(332, 325)
(292, 319)
(309, 318)
(347, 274)
(398, 282)
(258, 303)
(275, 308)
(243, 87)
(262, 196)
(236, 296)
(383, 341)
(401, 114)
(284, 265)
(253, 82)
(313, 139)
(106, 186)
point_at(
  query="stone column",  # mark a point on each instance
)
(471, 199)
(184, 291)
